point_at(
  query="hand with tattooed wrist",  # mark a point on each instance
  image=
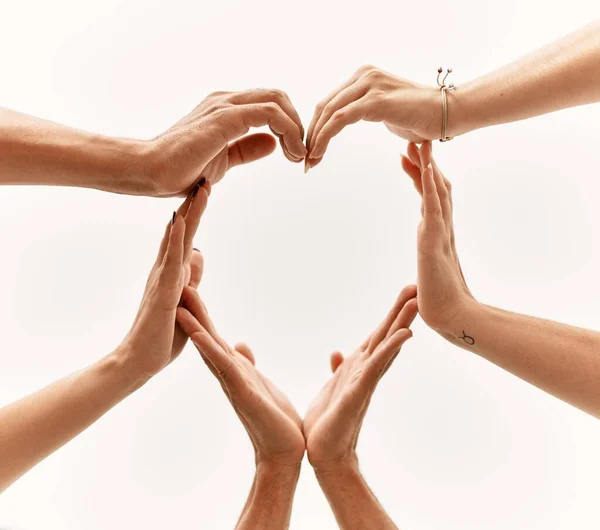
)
(560, 359)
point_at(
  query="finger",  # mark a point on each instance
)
(385, 355)
(196, 268)
(181, 211)
(250, 148)
(405, 318)
(413, 172)
(410, 291)
(236, 120)
(190, 299)
(443, 195)
(414, 155)
(352, 113)
(323, 103)
(339, 101)
(224, 365)
(172, 264)
(266, 95)
(193, 216)
(245, 350)
(432, 209)
(336, 360)
(425, 154)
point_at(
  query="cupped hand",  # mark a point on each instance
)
(409, 110)
(442, 290)
(274, 426)
(333, 421)
(154, 339)
(210, 140)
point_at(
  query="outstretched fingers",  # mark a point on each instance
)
(408, 293)
(218, 360)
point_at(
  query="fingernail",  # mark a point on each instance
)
(195, 190)
(306, 166)
(196, 249)
(202, 182)
(173, 219)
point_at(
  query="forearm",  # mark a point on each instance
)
(354, 505)
(563, 74)
(36, 426)
(35, 151)
(560, 359)
(269, 504)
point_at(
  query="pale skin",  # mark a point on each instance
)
(563, 74)
(333, 422)
(331, 427)
(204, 144)
(559, 359)
(272, 423)
(36, 426)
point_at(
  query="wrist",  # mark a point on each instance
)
(464, 110)
(122, 362)
(342, 466)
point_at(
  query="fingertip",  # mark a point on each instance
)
(245, 350)
(336, 360)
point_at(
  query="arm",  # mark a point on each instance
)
(272, 423)
(561, 360)
(333, 421)
(560, 75)
(353, 503)
(206, 143)
(36, 426)
(270, 500)
(563, 74)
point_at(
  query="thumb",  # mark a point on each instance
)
(250, 148)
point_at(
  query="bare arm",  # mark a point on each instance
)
(205, 143)
(271, 498)
(353, 503)
(273, 425)
(560, 359)
(35, 151)
(332, 423)
(36, 426)
(563, 74)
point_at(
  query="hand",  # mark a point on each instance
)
(154, 340)
(274, 426)
(442, 289)
(409, 110)
(199, 144)
(333, 421)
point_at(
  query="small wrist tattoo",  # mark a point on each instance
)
(469, 340)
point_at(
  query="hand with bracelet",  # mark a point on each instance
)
(560, 359)
(570, 66)
(36, 426)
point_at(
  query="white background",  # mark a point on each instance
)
(298, 265)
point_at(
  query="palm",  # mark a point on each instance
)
(265, 409)
(329, 413)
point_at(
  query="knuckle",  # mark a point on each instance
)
(275, 93)
(217, 94)
(366, 68)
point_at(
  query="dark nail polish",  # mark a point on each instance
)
(196, 249)
(174, 217)
(202, 182)
(195, 190)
